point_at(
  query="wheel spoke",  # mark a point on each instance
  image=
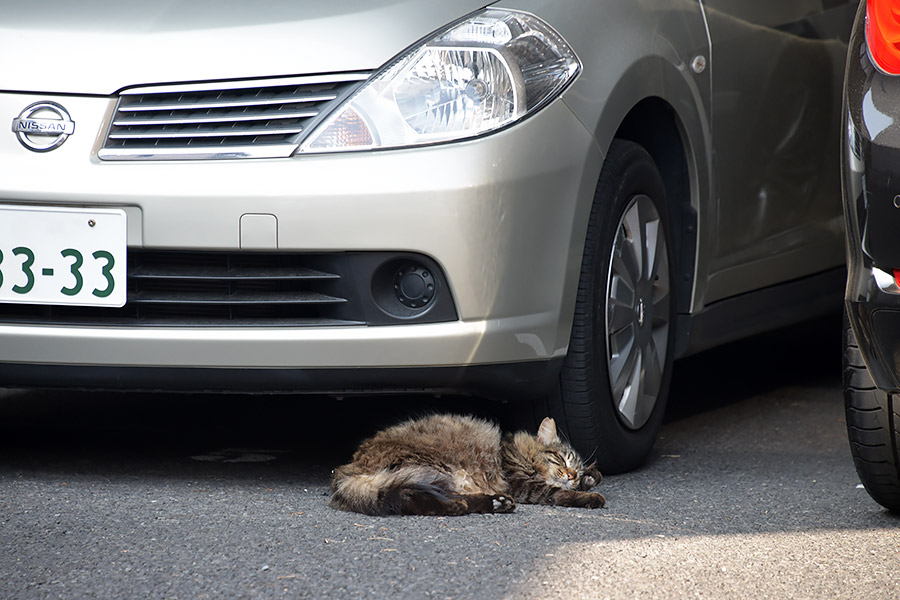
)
(660, 277)
(621, 290)
(620, 304)
(652, 369)
(651, 243)
(630, 395)
(619, 318)
(660, 341)
(621, 356)
(631, 223)
(624, 265)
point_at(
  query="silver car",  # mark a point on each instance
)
(539, 201)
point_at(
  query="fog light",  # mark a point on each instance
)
(407, 287)
(414, 286)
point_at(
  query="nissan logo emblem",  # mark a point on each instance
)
(43, 126)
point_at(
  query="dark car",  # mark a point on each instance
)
(871, 167)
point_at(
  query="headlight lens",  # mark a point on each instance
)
(477, 76)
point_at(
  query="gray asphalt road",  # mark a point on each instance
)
(750, 493)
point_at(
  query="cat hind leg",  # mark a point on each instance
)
(421, 499)
(409, 491)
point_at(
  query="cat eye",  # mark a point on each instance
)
(555, 459)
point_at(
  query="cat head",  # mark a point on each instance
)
(561, 466)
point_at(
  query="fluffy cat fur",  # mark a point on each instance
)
(454, 465)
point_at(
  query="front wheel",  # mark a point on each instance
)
(614, 382)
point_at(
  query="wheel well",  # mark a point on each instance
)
(653, 124)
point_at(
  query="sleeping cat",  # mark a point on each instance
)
(453, 465)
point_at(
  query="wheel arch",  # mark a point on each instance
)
(663, 105)
(653, 124)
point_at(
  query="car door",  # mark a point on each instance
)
(777, 68)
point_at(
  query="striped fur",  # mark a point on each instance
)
(452, 465)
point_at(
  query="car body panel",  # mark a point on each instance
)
(194, 40)
(777, 215)
(871, 148)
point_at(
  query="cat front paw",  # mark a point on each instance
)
(595, 501)
(590, 478)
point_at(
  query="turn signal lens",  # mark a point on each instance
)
(883, 34)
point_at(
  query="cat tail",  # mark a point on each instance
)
(413, 490)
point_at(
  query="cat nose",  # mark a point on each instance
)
(571, 474)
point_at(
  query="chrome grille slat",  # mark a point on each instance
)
(187, 105)
(238, 117)
(231, 120)
(206, 132)
(195, 152)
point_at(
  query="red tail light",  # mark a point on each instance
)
(883, 34)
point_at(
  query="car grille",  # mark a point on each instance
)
(219, 289)
(248, 119)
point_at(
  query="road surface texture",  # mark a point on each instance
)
(750, 493)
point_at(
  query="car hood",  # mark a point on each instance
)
(101, 46)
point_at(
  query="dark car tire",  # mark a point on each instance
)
(588, 402)
(872, 426)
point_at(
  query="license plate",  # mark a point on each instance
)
(67, 256)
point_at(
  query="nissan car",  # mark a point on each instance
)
(544, 203)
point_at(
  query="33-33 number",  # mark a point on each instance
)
(74, 269)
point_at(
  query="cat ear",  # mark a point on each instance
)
(547, 432)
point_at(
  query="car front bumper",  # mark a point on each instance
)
(502, 216)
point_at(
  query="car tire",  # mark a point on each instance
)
(872, 422)
(615, 378)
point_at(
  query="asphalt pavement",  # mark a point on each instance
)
(750, 493)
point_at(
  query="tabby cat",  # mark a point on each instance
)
(454, 465)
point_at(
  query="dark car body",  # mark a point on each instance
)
(872, 209)
(871, 167)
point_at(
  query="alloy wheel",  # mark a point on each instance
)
(637, 311)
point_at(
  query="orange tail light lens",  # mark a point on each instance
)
(883, 34)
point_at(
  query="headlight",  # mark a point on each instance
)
(477, 76)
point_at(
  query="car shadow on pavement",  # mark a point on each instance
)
(227, 434)
(53, 428)
(809, 352)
